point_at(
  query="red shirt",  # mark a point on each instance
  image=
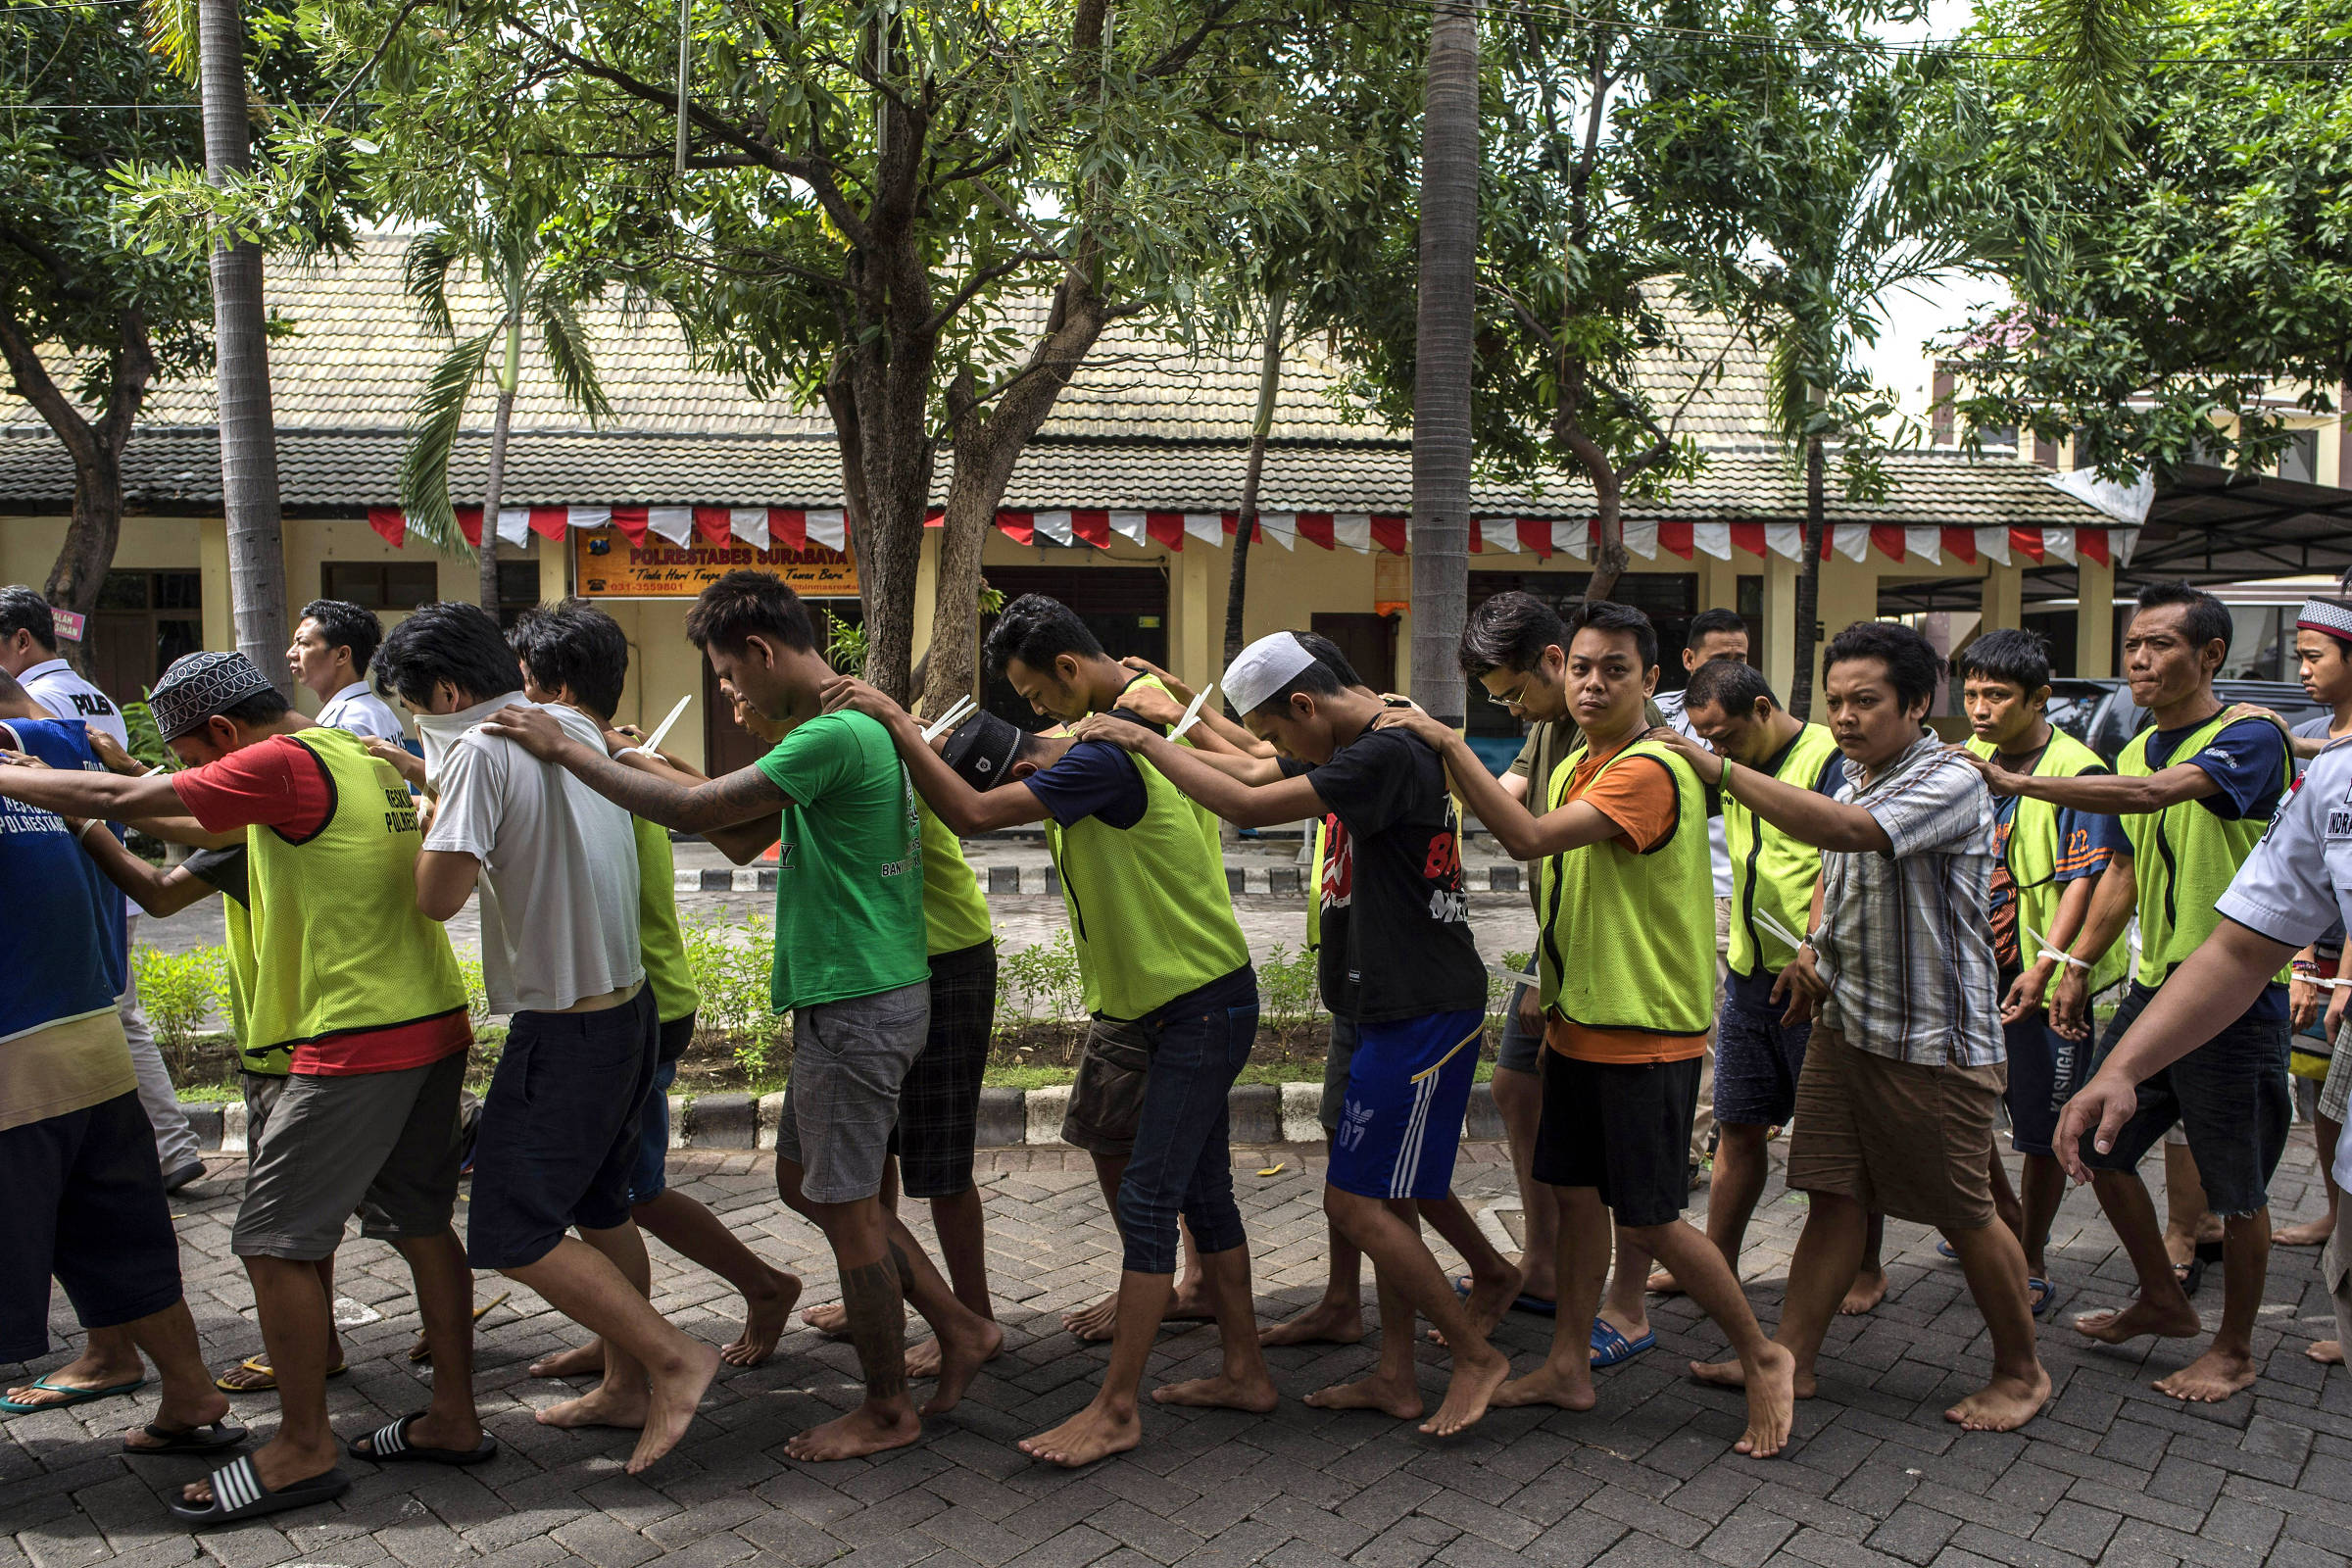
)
(281, 784)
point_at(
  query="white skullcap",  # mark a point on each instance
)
(1263, 668)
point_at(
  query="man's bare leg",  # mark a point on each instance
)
(1626, 1307)
(2186, 1220)
(692, 1230)
(1995, 1266)
(1768, 1372)
(2227, 1364)
(1389, 1235)
(1581, 1265)
(1494, 1279)
(2163, 1307)
(2041, 1193)
(168, 1339)
(1110, 1423)
(1338, 1317)
(1187, 1301)
(243, 1379)
(2328, 1132)
(2005, 1206)
(297, 1326)
(1519, 1100)
(1394, 1385)
(654, 1375)
(1741, 1165)
(1829, 1252)
(1868, 1287)
(1243, 1384)
(445, 1302)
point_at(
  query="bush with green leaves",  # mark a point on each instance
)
(731, 964)
(1289, 995)
(179, 992)
(1041, 984)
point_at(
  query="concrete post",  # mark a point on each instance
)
(2094, 619)
(1779, 623)
(2004, 602)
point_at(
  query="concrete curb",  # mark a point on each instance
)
(1276, 881)
(1261, 1113)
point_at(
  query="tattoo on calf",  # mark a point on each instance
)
(875, 1303)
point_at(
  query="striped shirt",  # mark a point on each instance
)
(1905, 942)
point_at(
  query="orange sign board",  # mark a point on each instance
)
(606, 566)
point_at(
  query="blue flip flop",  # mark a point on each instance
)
(2041, 1294)
(1612, 1349)
(72, 1396)
(1462, 1284)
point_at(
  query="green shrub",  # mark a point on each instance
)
(1289, 995)
(179, 991)
(146, 739)
(1042, 984)
(731, 967)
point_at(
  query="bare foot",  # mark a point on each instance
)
(1547, 1385)
(1469, 1393)
(1189, 1304)
(1732, 1375)
(1401, 1398)
(211, 1407)
(1093, 1433)
(2328, 1353)
(764, 1322)
(1662, 1284)
(1771, 1404)
(1327, 1322)
(1490, 1299)
(674, 1396)
(579, 1361)
(2004, 1404)
(2311, 1233)
(2210, 1379)
(2119, 1328)
(829, 1319)
(1221, 1394)
(922, 1359)
(861, 1432)
(599, 1406)
(961, 1354)
(1094, 1324)
(1866, 1293)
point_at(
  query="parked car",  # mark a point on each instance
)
(2101, 714)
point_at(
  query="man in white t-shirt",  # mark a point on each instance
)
(333, 640)
(28, 652)
(556, 864)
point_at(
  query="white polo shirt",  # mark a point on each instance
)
(2298, 881)
(359, 711)
(56, 687)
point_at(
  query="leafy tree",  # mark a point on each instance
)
(2176, 301)
(870, 194)
(89, 320)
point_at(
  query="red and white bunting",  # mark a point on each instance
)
(795, 528)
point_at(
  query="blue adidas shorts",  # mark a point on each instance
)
(1408, 1087)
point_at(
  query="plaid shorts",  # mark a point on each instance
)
(939, 1103)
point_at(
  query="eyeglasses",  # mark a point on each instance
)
(1516, 699)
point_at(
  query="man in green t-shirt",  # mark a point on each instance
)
(574, 654)
(850, 968)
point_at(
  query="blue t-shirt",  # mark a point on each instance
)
(2248, 759)
(62, 924)
(1092, 778)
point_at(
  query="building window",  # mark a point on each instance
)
(144, 621)
(2300, 460)
(396, 585)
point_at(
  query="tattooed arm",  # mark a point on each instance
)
(740, 797)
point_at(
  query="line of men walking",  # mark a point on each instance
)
(1912, 935)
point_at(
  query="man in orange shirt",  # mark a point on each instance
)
(1628, 888)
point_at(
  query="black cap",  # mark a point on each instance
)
(982, 750)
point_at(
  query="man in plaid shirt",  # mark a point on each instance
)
(1895, 1109)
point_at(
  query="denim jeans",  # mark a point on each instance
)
(2231, 1096)
(1182, 1159)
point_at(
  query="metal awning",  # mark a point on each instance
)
(2207, 526)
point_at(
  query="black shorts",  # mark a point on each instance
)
(1758, 1058)
(1623, 1130)
(85, 1202)
(939, 1102)
(558, 1140)
(2229, 1095)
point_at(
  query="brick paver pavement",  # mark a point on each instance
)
(2112, 1472)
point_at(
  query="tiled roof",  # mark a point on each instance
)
(358, 355)
(170, 469)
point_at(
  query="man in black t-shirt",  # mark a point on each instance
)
(1398, 959)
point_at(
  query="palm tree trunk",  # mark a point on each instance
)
(257, 561)
(1443, 347)
(1808, 584)
(1269, 382)
(492, 489)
